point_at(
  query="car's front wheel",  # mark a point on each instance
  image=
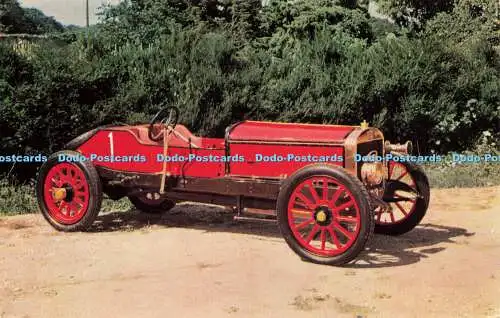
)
(325, 214)
(407, 193)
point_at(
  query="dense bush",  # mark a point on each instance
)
(309, 61)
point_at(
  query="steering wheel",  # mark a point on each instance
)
(167, 117)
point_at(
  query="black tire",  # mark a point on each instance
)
(421, 205)
(360, 195)
(152, 206)
(94, 193)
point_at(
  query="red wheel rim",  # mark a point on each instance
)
(403, 209)
(324, 216)
(72, 179)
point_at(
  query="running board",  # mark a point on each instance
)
(251, 219)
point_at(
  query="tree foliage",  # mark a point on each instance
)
(413, 14)
(14, 19)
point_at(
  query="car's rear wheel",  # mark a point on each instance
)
(407, 192)
(69, 193)
(325, 215)
(151, 205)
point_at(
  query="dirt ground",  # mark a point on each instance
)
(197, 262)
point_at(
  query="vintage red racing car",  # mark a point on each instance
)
(328, 199)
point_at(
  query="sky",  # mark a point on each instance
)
(67, 11)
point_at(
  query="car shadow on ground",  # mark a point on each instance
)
(422, 242)
(382, 251)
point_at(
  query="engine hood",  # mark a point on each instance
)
(258, 131)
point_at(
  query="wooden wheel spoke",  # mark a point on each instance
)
(334, 237)
(308, 203)
(64, 174)
(342, 230)
(304, 224)
(323, 238)
(72, 173)
(400, 207)
(76, 207)
(336, 195)
(57, 182)
(325, 189)
(78, 201)
(346, 219)
(313, 191)
(402, 175)
(302, 213)
(63, 206)
(78, 184)
(302, 204)
(344, 205)
(407, 199)
(389, 174)
(391, 213)
(313, 232)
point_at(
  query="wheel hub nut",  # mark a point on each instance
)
(321, 216)
(59, 193)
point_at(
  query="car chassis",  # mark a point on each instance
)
(326, 211)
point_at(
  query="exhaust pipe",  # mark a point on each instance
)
(403, 149)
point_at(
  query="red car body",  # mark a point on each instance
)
(250, 179)
(245, 139)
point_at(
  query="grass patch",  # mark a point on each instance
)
(449, 174)
(16, 198)
(109, 205)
